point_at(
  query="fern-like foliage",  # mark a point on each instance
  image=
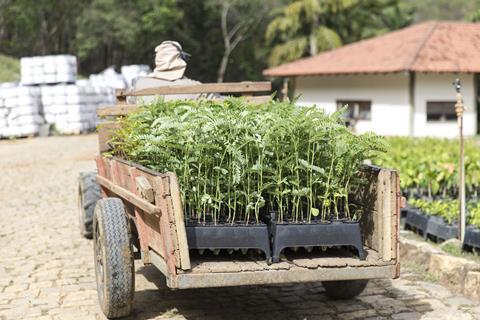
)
(236, 161)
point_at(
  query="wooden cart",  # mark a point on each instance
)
(142, 206)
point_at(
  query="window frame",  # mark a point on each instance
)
(445, 117)
(357, 104)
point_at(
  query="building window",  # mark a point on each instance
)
(441, 111)
(357, 110)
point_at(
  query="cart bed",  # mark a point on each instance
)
(152, 202)
(225, 271)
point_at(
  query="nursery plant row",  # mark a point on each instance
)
(437, 220)
(428, 166)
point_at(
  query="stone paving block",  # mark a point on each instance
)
(406, 316)
(360, 314)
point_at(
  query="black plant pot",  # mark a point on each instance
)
(472, 238)
(403, 215)
(442, 231)
(336, 233)
(404, 211)
(417, 221)
(228, 236)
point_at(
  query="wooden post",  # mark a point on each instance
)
(285, 89)
(459, 109)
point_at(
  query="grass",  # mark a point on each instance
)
(452, 249)
(420, 270)
(9, 69)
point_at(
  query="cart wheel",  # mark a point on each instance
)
(114, 266)
(347, 289)
(88, 195)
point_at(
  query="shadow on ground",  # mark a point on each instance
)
(291, 301)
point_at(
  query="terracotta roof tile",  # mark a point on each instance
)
(425, 47)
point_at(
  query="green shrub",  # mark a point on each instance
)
(235, 160)
(429, 166)
(448, 209)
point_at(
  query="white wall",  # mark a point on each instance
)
(390, 113)
(438, 87)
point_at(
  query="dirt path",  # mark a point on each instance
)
(46, 268)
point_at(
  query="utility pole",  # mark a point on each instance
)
(459, 109)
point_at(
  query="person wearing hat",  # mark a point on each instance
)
(170, 65)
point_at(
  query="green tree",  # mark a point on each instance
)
(238, 19)
(114, 32)
(306, 27)
(443, 9)
(38, 27)
(369, 18)
(301, 28)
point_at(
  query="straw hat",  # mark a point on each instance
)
(169, 61)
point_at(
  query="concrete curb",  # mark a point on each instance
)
(458, 274)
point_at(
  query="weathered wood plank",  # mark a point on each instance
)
(145, 189)
(167, 228)
(176, 205)
(117, 110)
(143, 233)
(122, 110)
(366, 199)
(105, 131)
(386, 216)
(129, 196)
(396, 221)
(227, 87)
(224, 279)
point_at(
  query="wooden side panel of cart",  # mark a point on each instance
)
(161, 230)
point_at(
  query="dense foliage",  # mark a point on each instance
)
(236, 161)
(10, 70)
(448, 209)
(445, 208)
(116, 32)
(428, 170)
(428, 166)
(306, 27)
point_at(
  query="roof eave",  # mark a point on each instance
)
(336, 73)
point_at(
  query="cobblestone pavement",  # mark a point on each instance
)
(46, 268)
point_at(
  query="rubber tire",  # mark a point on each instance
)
(88, 195)
(114, 265)
(341, 290)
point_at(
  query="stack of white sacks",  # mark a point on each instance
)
(72, 108)
(49, 93)
(48, 69)
(133, 71)
(19, 111)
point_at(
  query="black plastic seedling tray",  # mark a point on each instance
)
(335, 233)
(417, 221)
(472, 238)
(403, 215)
(442, 231)
(228, 236)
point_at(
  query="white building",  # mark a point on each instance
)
(396, 84)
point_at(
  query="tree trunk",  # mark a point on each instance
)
(312, 38)
(226, 42)
(223, 66)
